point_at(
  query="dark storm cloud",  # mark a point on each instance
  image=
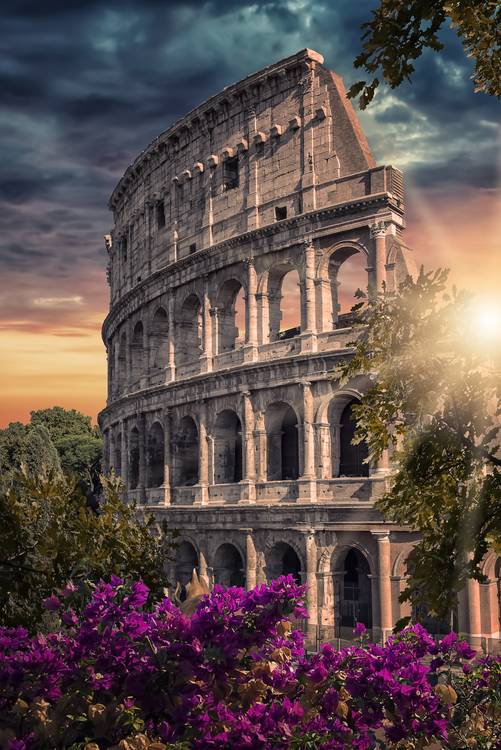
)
(86, 85)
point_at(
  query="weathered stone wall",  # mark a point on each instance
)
(242, 441)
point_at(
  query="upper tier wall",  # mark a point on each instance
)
(282, 142)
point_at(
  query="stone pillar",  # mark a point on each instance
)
(377, 271)
(149, 207)
(323, 447)
(141, 422)
(250, 561)
(381, 468)
(167, 457)
(123, 451)
(309, 286)
(202, 495)
(263, 314)
(251, 312)
(260, 445)
(206, 358)
(384, 582)
(249, 469)
(474, 612)
(308, 181)
(311, 581)
(307, 483)
(252, 202)
(171, 344)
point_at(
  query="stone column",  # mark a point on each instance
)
(474, 612)
(323, 446)
(148, 208)
(206, 358)
(251, 312)
(263, 314)
(384, 582)
(167, 457)
(252, 198)
(123, 451)
(308, 181)
(249, 470)
(307, 483)
(203, 457)
(381, 468)
(250, 561)
(309, 286)
(311, 581)
(260, 442)
(377, 271)
(171, 344)
(141, 422)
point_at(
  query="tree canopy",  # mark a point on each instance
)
(54, 439)
(400, 30)
(434, 402)
(49, 536)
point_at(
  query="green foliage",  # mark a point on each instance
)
(49, 536)
(79, 445)
(400, 30)
(434, 402)
(55, 439)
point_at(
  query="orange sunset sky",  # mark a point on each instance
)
(87, 87)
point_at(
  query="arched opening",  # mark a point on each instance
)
(134, 458)
(189, 331)
(347, 273)
(122, 362)
(228, 566)
(352, 457)
(137, 352)
(356, 594)
(186, 561)
(117, 454)
(158, 339)
(227, 448)
(283, 445)
(155, 455)
(284, 296)
(185, 443)
(283, 561)
(230, 316)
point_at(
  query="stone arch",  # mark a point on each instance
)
(185, 450)
(227, 437)
(133, 471)
(189, 327)
(228, 566)
(187, 558)
(330, 272)
(229, 311)
(338, 456)
(155, 455)
(282, 422)
(271, 288)
(137, 351)
(159, 336)
(283, 558)
(490, 596)
(353, 574)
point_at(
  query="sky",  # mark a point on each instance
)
(85, 85)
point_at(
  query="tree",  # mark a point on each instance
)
(49, 536)
(434, 402)
(400, 30)
(55, 438)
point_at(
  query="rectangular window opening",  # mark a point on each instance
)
(280, 213)
(193, 248)
(230, 173)
(160, 216)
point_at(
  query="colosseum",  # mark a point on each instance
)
(238, 234)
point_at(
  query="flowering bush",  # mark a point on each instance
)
(234, 675)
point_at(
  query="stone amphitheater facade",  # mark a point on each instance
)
(241, 439)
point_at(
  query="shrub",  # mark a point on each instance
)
(119, 674)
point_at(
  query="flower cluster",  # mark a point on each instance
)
(117, 674)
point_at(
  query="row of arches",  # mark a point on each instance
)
(281, 433)
(280, 297)
(354, 582)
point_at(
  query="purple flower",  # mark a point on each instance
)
(52, 603)
(359, 629)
